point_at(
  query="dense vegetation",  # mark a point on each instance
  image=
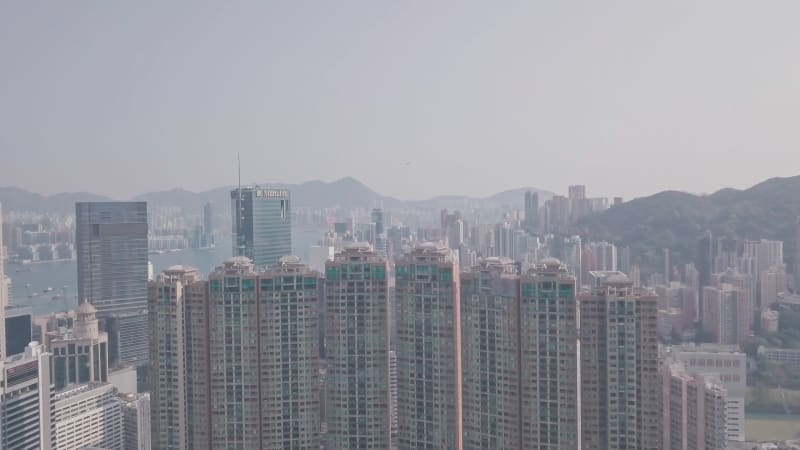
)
(677, 220)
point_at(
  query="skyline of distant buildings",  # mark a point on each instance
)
(469, 335)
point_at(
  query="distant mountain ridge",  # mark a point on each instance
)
(16, 199)
(345, 193)
(677, 220)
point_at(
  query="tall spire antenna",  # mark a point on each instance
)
(239, 210)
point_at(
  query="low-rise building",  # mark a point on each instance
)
(88, 415)
(727, 364)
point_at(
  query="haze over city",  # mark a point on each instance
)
(692, 96)
(518, 225)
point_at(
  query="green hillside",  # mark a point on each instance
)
(677, 220)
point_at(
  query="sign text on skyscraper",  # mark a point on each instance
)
(272, 193)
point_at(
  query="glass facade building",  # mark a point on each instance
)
(111, 242)
(262, 224)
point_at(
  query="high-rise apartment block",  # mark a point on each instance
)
(557, 214)
(111, 242)
(26, 400)
(620, 383)
(170, 376)
(772, 284)
(262, 224)
(234, 366)
(428, 349)
(136, 421)
(357, 345)
(694, 410)
(490, 348)
(236, 358)
(520, 358)
(726, 314)
(80, 354)
(289, 309)
(759, 256)
(579, 205)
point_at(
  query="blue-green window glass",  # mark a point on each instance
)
(267, 284)
(216, 285)
(379, 273)
(332, 273)
(231, 282)
(566, 291)
(528, 290)
(248, 285)
(446, 275)
(310, 283)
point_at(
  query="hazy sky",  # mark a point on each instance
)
(414, 98)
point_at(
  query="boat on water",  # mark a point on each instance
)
(34, 295)
(49, 289)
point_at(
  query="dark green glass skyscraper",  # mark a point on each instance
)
(262, 224)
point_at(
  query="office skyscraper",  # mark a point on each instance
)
(428, 349)
(520, 357)
(357, 345)
(26, 399)
(111, 241)
(262, 224)
(19, 328)
(620, 383)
